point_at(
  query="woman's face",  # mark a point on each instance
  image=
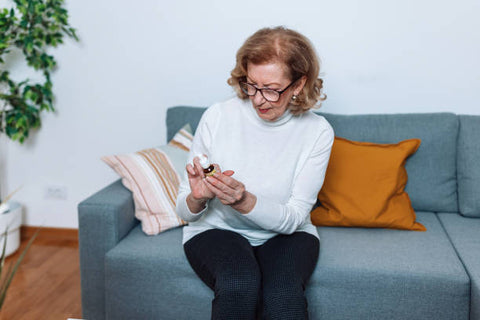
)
(272, 76)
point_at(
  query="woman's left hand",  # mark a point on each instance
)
(230, 191)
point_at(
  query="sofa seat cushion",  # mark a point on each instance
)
(388, 274)
(465, 235)
(150, 275)
(361, 274)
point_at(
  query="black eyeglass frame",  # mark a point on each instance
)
(261, 90)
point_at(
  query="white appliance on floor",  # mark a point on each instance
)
(11, 216)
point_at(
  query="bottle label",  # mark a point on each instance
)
(211, 173)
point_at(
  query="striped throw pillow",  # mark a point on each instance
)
(153, 176)
(183, 138)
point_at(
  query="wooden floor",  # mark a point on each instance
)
(47, 284)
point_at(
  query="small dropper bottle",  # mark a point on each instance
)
(208, 168)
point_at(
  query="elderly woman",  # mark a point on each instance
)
(250, 238)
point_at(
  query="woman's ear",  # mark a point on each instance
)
(299, 85)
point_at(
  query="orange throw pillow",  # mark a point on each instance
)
(365, 186)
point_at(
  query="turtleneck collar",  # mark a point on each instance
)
(284, 118)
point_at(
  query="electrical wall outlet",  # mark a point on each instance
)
(57, 192)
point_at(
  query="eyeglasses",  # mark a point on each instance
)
(269, 94)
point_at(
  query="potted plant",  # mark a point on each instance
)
(28, 29)
(10, 222)
(32, 26)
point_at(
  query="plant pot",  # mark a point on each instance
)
(12, 218)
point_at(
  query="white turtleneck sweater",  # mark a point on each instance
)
(281, 162)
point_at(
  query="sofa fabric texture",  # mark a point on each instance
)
(432, 183)
(464, 233)
(388, 274)
(383, 262)
(468, 155)
(362, 273)
(104, 219)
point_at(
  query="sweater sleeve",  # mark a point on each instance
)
(286, 218)
(201, 144)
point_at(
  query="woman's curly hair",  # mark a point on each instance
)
(290, 48)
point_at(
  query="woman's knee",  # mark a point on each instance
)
(242, 284)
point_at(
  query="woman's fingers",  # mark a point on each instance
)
(228, 180)
(228, 190)
(214, 187)
(198, 167)
(191, 170)
(219, 185)
(231, 194)
(229, 173)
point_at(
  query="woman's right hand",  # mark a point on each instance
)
(199, 190)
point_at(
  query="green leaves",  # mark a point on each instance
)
(32, 26)
(27, 102)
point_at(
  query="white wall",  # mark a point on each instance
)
(136, 59)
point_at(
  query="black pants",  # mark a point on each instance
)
(266, 281)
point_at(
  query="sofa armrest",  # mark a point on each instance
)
(104, 219)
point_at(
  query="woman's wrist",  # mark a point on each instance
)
(246, 204)
(196, 205)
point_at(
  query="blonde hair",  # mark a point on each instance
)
(290, 48)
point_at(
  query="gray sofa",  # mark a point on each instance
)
(361, 273)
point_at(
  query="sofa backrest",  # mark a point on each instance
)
(177, 117)
(468, 164)
(432, 182)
